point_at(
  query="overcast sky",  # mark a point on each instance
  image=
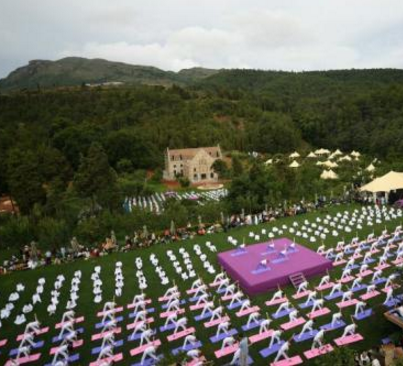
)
(176, 34)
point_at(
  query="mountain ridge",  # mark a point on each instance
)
(74, 71)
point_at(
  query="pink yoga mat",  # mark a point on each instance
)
(198, 307)
(3, 342)
(347, 279)
(133, 325)
(296, 360)
(295, 323)
(168, 313)
(247, 311)
(226, 298)
(76, 344)
(226, 351)
(318, 351)
(385, 290)
(366, 273)
(42, 331)
(342, 341)
(276, 301)
(382, 267)
(197, 361)
(116, 310)
(165, 298)
(345, 304)
(116, 358)
(76, 320)
(95, 337)
(133, 305)
(325, 287)
(369, 295)
(216, 322)
(181, 334)
(318, 313)
(141, 349)
(339, 263)
(22, 360)
(215, 284)
(190, 291)
(301, 295)
(260, 337)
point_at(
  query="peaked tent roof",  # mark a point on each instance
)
(294, 164)
(370, 168)
(388, 182)
(329, 174)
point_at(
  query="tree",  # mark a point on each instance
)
(341, 356)
(221, 168)
(237, 168)
(95, 179)
(24, 179)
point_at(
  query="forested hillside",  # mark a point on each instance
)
(66, 151)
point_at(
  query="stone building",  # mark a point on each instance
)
(194, 164)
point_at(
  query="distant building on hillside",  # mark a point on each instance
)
(194, 164)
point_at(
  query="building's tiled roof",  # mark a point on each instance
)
(190, 153)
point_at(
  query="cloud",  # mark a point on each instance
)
(275, 34)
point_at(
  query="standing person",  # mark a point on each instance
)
(244, 347)
(375, 361)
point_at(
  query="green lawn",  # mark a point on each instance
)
(373, 328)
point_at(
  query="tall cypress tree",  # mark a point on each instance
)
(95, 179)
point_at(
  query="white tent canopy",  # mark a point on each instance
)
(294, 164)
(322, 152)
(311, 155)
(330, 164)
(356, 154)
(294, 155)
(370, 168)
(345, 158)
(389, 182)
(329, 174)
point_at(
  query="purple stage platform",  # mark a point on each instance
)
(243, 265)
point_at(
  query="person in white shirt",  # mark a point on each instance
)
(227, 342)
(150, 352)
(302, 287)
(283, 351)
(318, 339)
(189, 339)
(253, 318)
(275, 336)
(265, 325)
(375, 362)
(308, 327)
(181, 324)
(223, 328)
(336, 317)
(277, 295)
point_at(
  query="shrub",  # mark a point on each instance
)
(184, 182)
(15, 232)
